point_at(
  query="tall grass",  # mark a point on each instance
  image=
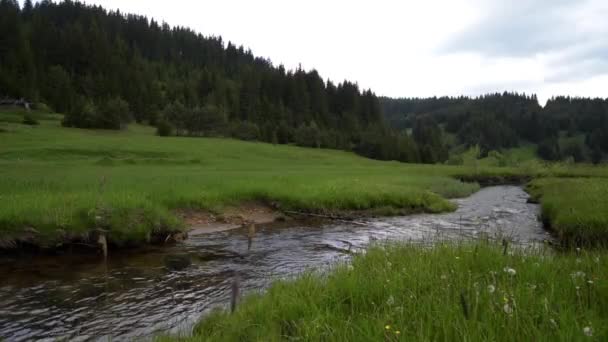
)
(450, 292)
(575, 208)
(49, 180)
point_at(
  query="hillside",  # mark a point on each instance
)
(106, 69)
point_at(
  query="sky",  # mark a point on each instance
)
(414, 48)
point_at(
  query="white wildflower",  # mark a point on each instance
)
(510, 271)
(444, 277)
(588, 331)
(390, 301)
(577, 274)
(553, 322)
(508, 309)
(491, 288)
(590, 282)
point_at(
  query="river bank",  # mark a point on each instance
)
(137, 293)
(405, 292)
(64, 188)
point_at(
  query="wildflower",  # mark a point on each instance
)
(387, 327)
(510, 271)
(578, 274)
(597, 260)
(397, 332)
(590, 282)
(389, 264)
(444, 277)
(532, 287)
(491, 288)
(508, 309)
(390, 300)
(553, 322)
(457, 258)
(588, 331)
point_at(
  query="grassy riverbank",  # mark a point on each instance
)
(575, 209)
(449, 292)
(58, 184)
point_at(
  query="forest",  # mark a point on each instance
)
(565, 128)
(105, 69)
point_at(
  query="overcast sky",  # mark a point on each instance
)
(416, 47)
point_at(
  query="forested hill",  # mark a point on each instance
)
(104, 69)
(564, 128)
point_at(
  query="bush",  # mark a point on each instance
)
(82, 115)
(29, 120)
(245, 131)
(308, 136)
(549, 150)
(113, 114)
(164, 128)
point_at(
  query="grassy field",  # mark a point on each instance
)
(576, 209)
(63, 182)
(468, 292)
(59, 183)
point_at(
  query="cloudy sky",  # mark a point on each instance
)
(415, 48)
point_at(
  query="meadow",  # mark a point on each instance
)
(451, 292)
(57, 184)
(63, 182)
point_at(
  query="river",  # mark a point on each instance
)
(135, 295)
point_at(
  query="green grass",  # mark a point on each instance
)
(59, 180)
(576, 209)
(446, 293)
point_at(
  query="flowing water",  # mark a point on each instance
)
(141, 294)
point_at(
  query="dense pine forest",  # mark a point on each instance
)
(105, 69)
(565, 128)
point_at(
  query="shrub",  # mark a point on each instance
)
(308, 136)
(245, 131)
(113, 114)
(164, 128)
(29, 120)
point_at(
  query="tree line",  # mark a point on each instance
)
(566, 127)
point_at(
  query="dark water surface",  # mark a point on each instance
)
(136, 296)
